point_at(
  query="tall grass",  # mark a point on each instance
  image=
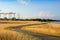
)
(11, 35)
(50, 29)
(5, 24)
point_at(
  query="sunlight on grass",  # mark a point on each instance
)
(50, 29)
(15, 23)
(12, 35)
(6, 34)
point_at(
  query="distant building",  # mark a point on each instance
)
(7, 15)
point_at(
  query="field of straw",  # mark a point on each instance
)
(5, 24)
(34, 26)
(12, 35)
(49, 28)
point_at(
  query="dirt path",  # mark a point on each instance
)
(42, 36)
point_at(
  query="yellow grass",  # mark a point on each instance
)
(49, 28)
(9, 35)
(16, 23)
(12, 35)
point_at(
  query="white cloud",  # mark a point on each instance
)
(24, 2)
(44, 14)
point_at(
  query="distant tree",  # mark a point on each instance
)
(13, 18)
(5, 18)
(0, 18)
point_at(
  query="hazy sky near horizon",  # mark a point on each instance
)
(32, 8)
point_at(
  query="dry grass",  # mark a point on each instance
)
(50, 29)
(9, 35)
(15, 23)
(12, 35)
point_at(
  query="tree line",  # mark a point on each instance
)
(36, 19)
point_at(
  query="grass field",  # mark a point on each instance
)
(49, 28)
(12, 35)
(34, 26)
(5, 24)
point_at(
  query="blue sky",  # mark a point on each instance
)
(32, 8)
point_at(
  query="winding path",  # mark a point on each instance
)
(42, 36)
